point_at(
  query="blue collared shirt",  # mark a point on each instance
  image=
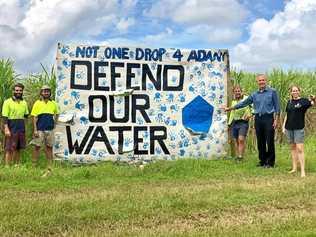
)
(264, 102)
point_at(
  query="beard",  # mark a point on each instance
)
(46, 97)
(18, 96)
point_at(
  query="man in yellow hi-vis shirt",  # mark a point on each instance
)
(14, 112)
(44, 112)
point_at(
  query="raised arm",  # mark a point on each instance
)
(244, 103)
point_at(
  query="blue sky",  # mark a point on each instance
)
(260, 35)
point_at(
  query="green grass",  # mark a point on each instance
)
(181, 198)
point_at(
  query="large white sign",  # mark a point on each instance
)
(124, 102)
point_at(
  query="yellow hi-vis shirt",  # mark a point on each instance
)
(239, 113)
(14, 109)
(45, 111)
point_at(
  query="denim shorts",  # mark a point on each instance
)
(295, 136)
(240, 128)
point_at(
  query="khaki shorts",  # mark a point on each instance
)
(44, 138)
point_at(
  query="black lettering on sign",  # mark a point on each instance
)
(120, 136)
(166, 79)
(98, 75)
(103, 117)
(115, 74)
(159, 138)
(142, 108)
(146, 73)
(99, 136)
(130, 75)
(75, 146)
(73, 84)
(138, 140)
(113, 118)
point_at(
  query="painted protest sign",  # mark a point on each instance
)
(125, 102)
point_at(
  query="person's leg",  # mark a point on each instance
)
(234, 134)
(231, 142)
(270, 158)
(49, 156)
(242, 138)
(8, 158)
(37, 142)
(20, 144)
(294, 158)
(300, 157)
(35, 156)
(10, 146)
(16, 156)
(260, 140)
(236, 147)
(241, 146)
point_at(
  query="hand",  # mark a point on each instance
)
(35, 134)
(227, 109)
(275, 124)
(7, 132)
(247, 117)
(312, 98)
(283, 130)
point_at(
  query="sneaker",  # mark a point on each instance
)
(47, 173)
(239, 158)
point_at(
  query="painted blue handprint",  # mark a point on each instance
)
(127, 142)
(160, 117)
(75, 95)
(66, 63)
(170, 97)
(157, 97)
(182, 97)
(84, 120)
(64, 49)
(163, 108)
(174, 108)
(192, 88)
(79, 106)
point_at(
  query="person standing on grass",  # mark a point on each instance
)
(14, 113)
(44, 112)
(266, 107)
(294, 124)
(239, 123)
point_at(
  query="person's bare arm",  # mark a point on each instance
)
(35, 132)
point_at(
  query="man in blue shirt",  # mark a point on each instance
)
(266, 107)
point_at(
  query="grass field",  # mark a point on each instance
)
(180, 198)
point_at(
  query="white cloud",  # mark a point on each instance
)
(210, 21)
(30, 30)
(124, 24)
(11, 12)
(213, 35)
(157, 39)
(193, 12)
(287, 40)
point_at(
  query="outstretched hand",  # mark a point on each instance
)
(226, 109)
